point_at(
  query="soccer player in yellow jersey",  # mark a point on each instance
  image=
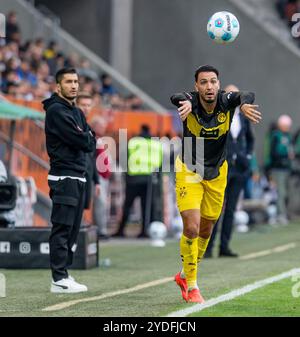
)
(201, 168)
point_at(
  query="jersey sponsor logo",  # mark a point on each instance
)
(209, 133)
(221, 117)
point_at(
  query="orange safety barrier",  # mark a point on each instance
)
(32, 137)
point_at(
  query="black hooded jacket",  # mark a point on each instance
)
(68, 137)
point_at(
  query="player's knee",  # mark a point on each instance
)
(191, 230)
(206, 228)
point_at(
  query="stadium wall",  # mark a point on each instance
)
(87, 21)
(170, 41)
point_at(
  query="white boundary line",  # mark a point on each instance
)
(68, 304)
(233, 294)
(277, 249)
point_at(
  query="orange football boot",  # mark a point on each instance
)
(181, 282)
(194, 296)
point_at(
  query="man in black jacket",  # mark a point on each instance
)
(239, 149)
(68, 139)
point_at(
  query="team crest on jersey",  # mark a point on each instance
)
(221, 117)
(182, 192)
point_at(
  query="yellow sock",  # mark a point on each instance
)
(202, 245)
(189, 253)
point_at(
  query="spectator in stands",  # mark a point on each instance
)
(291, 7)
(281, 6)
(267, 147)
(133, 102)
(281, 156)
(240, 146)
(12, 28)
(9, 78)
(25, 74)
(86, 71)
(104, 163)
(84, 102)
(35, 63)
(107, 86)
(286, 9)
(296, 146)
(109, 94)
(51, 51)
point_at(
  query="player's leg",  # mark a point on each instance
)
(210, 246)
(189, 193)
(189, 245)
(211, 208)
(205, 232)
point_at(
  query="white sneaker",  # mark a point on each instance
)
(71, 278)
(67, 286)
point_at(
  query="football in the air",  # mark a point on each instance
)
(223, 27)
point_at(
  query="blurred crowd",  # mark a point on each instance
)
(27, 71)
(268, 191)
(286, 9)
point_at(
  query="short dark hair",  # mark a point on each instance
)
(83, 94)
(206, 68)
(60, 74)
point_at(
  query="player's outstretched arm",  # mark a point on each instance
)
(184, 104)
(185, 109)
(245, 101)
(250, 111)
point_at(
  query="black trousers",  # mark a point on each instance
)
(132, 191)
(234, 187)
(68, 197)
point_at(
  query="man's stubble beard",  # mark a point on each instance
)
(209, 101)
(62, 92)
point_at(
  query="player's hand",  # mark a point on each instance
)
(97, 190)
(249, 110)
(185, 109)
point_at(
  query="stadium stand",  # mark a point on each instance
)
(27, 69)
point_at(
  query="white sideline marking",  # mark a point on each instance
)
(233, 294)
(278, 249)
(67, 304)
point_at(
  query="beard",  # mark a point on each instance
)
(68, 96)
(209, 100)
